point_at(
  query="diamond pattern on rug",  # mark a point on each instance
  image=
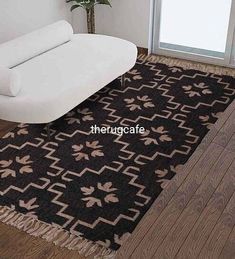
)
(100, 186)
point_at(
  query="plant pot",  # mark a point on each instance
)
(90, 20)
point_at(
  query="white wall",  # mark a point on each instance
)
(194, 33)
(22, 16)
(79, 20)
(127, 19)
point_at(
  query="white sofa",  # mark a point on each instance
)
(57, 80)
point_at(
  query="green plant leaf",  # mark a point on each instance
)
(105, 2)
(74, 7)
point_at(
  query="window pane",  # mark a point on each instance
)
(199, 24)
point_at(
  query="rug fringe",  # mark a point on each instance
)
(54, 233)
(185, 64)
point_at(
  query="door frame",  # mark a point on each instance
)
(154, 37)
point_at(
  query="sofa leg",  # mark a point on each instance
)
(123, 80)
(48, 126)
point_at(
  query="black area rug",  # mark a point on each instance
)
(99, 186)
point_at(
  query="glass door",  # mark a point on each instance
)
(200, 30)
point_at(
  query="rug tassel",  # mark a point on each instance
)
(25, 224)
(73, 244)
(79, 246)
(60, 239)
(185, 64)
(92, 250)
(34, 229)
(14, 224)
(69, 239)
(41, 230)
(13, 220)
(9, 216)
(85, 247)
(105, 253)
(54, 234)
(5, 213)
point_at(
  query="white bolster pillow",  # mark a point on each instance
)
(9, 82)
(19, 50)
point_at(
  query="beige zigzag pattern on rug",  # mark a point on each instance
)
(45, 181)
(40, 141)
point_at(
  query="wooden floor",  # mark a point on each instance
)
(194, 217)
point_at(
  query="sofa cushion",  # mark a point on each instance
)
(19, 50)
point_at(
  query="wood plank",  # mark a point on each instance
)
(226, 131)
(208, 218)
(229, 248)
(16, 244)
(225, 116)
(162, 201)
(168, 217)
(6, 126)
(220, 233)
(191, 213)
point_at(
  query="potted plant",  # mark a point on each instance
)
(89, 6)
